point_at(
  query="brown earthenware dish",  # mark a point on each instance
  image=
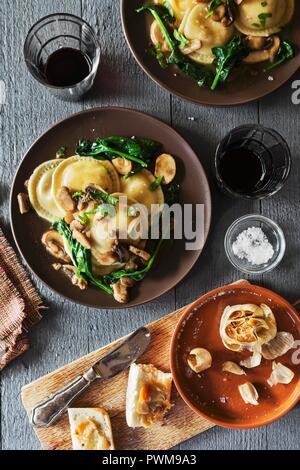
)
(173, 263)
(214, 394)
(244, 88)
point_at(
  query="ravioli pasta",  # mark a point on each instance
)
(40, 191)
(264, 18)
(137, 187)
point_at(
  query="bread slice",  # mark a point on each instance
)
(90, 429)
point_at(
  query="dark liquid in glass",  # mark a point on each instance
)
(67, 67)
(241, 169)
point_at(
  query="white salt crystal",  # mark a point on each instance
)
(253, 245)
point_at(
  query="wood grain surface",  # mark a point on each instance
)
(69, 331)
(180, 423)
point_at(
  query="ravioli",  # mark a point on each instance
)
(211, 33)
(179, 7)
(40, 191)
(90, 429)
(76, 173)
(137, 187)
(257, 18)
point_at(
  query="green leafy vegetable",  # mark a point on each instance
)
(61, 152)
(156, 183)
(81, 257)
(98, 195)
(183, 41)
(163, 18)
(172, 193)
(227, 58)
(285, 53)
(77, 194)
(213, 4)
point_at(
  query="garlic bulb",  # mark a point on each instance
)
(199, 360)
(247, 326)
(233, 368)
(280, 375)
(252, 361)
(278, 346)
(249, 393)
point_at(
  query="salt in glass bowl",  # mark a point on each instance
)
(272, 231)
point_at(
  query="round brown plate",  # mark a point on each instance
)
(174, 262)
(214, 394)
(238, 91)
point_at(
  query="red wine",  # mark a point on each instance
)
(241, 169)
(67, 67)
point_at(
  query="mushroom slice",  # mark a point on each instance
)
(54, 243)
(199, 360)
(278, 346)
(232, 368)
(249, 393)
(264, 53)
(122, 165)
(165, 166)
(81, 238)
(140, 253)
(252, 361)
(280, 375)
(192, 46)
(120, 292)
(157, 37)
(65, 199)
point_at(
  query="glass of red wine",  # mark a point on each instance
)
(62, 52)
(252, 162)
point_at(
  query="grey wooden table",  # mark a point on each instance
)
(69, 331)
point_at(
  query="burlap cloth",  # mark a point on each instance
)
(20, 305)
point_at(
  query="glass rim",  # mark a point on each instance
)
(94, 65)
(267, 221)
(235, 194)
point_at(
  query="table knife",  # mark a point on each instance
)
(45, 413)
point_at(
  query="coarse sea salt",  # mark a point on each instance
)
(253, 245)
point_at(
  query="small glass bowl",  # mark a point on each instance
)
(272, 231)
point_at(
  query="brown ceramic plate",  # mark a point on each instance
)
(174, 262)
(214, 394)
(239, 91)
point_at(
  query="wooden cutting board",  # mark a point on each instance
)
(181, 423)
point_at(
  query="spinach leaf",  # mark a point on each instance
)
(285, 53)
(213, 4)
(227, 58)
(98, 195)
(81, 257)
(171, 193)
(183, 41)
(156, 183)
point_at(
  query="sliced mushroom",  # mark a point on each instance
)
(199, 360)
(65, 199)
(232, 368)
(268, 52)
(131, 265)
(249, 393)
(165, 166)
(54, 243)
(140, 253)
(157, 37)
(56, 266)
(256, 43)
(219, 13)
(127, 281)
(192, 46)
(81, 238)
(77, 225)
(23, 202)
(69, 217)
(71, 272)
(122, 165)
(280, 375)
(120, 292)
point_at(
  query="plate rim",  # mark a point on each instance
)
(109, 109)
(172, 355)
(199, 102)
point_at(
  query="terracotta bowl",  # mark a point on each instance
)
(214, 394)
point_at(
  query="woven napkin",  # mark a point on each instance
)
(20, 305)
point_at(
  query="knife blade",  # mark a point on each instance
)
(46, 412)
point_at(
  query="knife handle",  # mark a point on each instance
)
(48, 411)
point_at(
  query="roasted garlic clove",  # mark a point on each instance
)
(252, 361)
(278, 346)
(165, 166)
(249, 393)
(280, 375)
(232, 368)
(199, 360)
